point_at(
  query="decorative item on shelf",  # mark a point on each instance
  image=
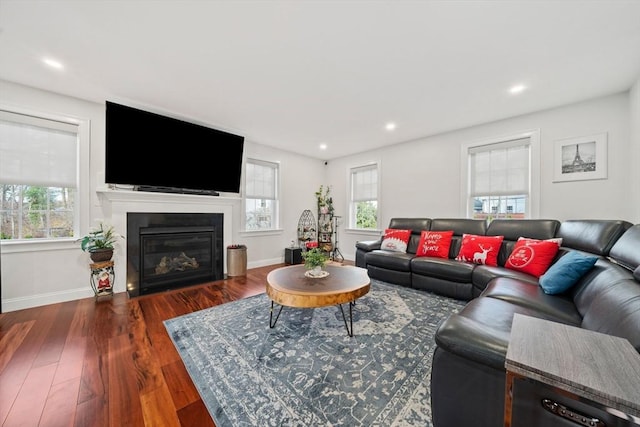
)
(314, 260)
(100, 242)
(324, 200)
(306, 229)
(325, 215)
(102, 278)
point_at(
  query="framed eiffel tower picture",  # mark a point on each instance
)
(580, 158)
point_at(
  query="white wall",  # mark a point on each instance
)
(35, 274)
(634, 152)
(421, 178)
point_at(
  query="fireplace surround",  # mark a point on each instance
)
(172, 250)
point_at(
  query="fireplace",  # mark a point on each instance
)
(172, 250)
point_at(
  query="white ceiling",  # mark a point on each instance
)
(294, 74)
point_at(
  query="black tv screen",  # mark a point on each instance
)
(152, 151)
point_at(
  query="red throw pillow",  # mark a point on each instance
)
(434, 243)
(395, 240)
(556, 240)
(532, 256)
(480, 249)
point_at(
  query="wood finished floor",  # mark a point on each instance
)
(108, 362)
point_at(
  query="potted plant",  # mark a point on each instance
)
(324, 200)
(314, 260)
(99, 242)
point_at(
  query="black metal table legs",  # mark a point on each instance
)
(349, 326)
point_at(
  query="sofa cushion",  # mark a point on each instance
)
(389, 260)
(565, 272)
(480, 249)
(595, 236)
(625, 251)
(512, 229)
(480, 331)
(446, 287)
(484, 274)
(448, 269)
(395, 240)
(460, 225)
(530, 295)
(595, 282)
(434, 243)
(616, 311)
(416, 225)
(532, 256)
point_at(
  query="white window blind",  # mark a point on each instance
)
(37, 151)
(364, 183)
(499, 169)
(261, 180)
(261, 195)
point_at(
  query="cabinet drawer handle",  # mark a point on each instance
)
(570, 414)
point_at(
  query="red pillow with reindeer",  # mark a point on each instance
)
(434, 243)
(395, 240)
(480, 249)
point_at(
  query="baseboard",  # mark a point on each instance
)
(14, 304)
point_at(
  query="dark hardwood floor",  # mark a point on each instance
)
(108, 362)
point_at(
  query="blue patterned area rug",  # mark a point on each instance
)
(307, 371)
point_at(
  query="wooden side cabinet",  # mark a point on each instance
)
(293, 256)
(560, 375)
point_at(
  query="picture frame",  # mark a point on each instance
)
(580, 158)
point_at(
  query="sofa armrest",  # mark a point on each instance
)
(473, 340)
(368, 245)
(364, 247)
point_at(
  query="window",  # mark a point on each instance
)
(500, 178)
(38, 177)
(363, 208)
(261, 195)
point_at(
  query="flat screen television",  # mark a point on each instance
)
(154, 152)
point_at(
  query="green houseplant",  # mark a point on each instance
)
(99, 242)
(324, 200)
(314, 260)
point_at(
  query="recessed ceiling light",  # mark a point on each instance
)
(53, 63)
(390, 126)
(323, 146)
(517, 89)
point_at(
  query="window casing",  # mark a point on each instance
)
(261, 195)
(39, 172)
(364, 190)
(500, 180)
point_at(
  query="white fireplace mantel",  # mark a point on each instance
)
(117, 203)
(124, 196)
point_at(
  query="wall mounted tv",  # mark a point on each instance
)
(158, 153)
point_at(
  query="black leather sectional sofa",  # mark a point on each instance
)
(468, 370)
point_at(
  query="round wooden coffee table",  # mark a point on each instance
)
(288, 286)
